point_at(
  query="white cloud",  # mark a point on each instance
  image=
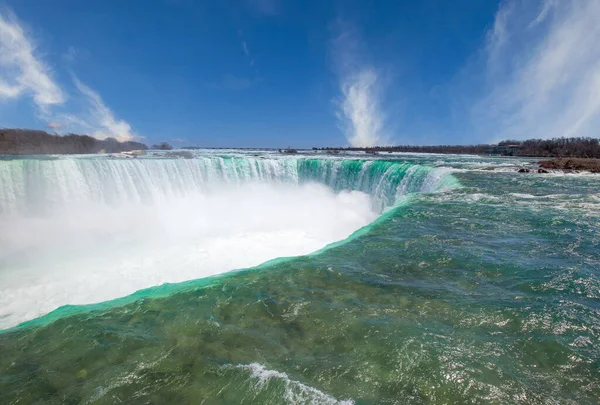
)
(74, 54)
(359, 109)
(499, 35)
(546, 8)
(21, 72)
(245, 48)
(543, 71)
(100, 119)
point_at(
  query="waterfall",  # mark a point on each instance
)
(35, 186)
(80, 230)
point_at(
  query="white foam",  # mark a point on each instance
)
(294, 392)
(86, 253)
(525, 196)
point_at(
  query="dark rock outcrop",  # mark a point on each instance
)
(572, 164)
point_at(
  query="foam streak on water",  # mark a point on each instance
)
(293, 392)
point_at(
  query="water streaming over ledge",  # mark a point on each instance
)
(85, 230)
(39, 185)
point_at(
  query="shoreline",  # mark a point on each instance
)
(571, 165)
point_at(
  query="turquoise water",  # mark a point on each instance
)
(476, 285)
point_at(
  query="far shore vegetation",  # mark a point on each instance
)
(557, 147)
(14, 141)
(33, 142)
(586, 150)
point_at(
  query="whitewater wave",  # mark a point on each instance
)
(282, 387)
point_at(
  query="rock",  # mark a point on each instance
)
(542, 171)
(572, 165)
(523, 170)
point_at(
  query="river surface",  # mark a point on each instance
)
(258, 278)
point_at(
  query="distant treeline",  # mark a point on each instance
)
(32, 142)
(557, 147)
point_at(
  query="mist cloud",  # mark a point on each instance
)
(359, 110)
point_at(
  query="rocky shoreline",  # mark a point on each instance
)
(563, 165)
(571, 165)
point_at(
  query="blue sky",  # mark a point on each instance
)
(275, 73)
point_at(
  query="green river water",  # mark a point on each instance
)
(476, 285)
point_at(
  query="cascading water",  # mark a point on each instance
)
(385, 181)
(83, 230)
(36, 186)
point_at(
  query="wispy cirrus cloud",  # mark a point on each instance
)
(101, 119)
(542, 64)
(23, 73)
(74, 54)
(244, 45)
(359, 109)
